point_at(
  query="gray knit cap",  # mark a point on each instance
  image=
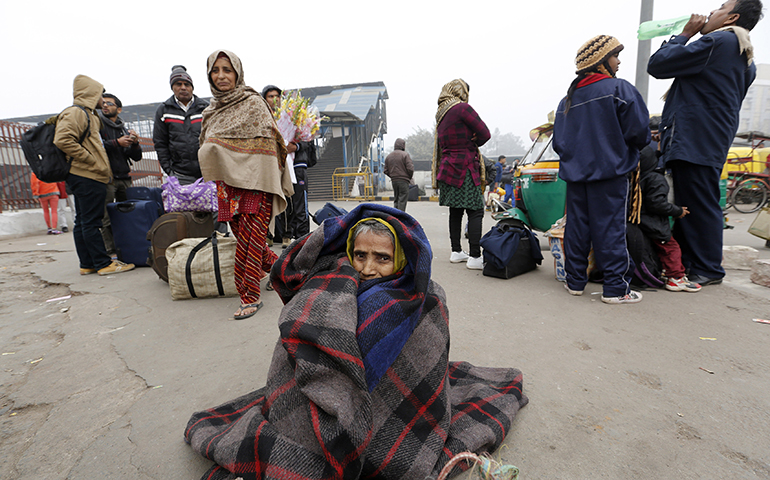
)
(179, 73)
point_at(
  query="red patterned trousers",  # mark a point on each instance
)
(253, 258)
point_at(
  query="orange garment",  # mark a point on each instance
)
(42, 189)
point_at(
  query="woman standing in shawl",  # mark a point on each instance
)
(458, 169)
(360, 384)
(243, 152)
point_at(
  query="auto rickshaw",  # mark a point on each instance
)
(540, 193)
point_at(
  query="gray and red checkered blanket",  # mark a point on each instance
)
(320, 416)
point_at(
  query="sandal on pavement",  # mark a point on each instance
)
(239, 315)
(269, 286)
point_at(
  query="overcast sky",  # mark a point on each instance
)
(518, 57)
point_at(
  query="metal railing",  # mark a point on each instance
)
(345, 179)
(15, 190)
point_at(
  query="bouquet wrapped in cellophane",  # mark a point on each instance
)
(297, 121)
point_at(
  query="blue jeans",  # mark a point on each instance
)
(90, 196)
(509, 194)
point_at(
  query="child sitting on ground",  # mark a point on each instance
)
(655, 224)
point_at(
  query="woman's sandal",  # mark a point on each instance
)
(239, 315)
(269, 286)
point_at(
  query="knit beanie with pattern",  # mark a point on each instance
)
(179, 73)
(595, 52)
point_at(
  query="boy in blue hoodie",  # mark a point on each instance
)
(600, 127)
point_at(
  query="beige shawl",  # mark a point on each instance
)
(240, 144)
(744, 41)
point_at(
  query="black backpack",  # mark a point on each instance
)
(49, 163)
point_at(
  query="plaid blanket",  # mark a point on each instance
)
(316, 418)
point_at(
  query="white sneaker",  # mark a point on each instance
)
(459, 257)
(577, 293)
(475, 263)
(631, 297)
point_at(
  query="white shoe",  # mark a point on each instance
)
(475, 263)
(459, 257)
(630, 297)
(577, 293)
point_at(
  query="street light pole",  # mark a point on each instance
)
(643, 53)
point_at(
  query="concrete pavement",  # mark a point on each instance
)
(101, 385)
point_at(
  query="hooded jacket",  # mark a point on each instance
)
(119, 156)
(655, 206)
(89, 160)
(601, 135)
(398, 165)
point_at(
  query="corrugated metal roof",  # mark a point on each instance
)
(356, 101)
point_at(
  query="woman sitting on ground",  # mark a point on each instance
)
(243, 152)
(360, 384)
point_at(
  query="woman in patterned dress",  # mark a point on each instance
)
(458, 169)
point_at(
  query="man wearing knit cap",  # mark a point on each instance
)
(600, 127)
(293, 222)
(700, 119)
(178, 127)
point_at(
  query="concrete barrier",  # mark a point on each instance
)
(26, 222)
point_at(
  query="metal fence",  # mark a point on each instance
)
(15, 190)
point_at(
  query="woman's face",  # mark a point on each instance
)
(223, 76)
(373, 256)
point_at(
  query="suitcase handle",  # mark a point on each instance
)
(125, 207)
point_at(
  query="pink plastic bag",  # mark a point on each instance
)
(197, 197)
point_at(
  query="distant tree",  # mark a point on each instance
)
(420, 144)
(503, 144)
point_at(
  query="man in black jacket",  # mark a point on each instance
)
(178, 127)
(122, 146)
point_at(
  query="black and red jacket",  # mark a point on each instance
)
(176, 134)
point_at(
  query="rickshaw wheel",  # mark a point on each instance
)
(749, 196)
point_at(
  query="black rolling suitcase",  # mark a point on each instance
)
(146, 193)
(131, 220)
(328, 211)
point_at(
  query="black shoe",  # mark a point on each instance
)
(703, 281)
(65, 229)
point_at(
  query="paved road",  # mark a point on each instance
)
(101, 385)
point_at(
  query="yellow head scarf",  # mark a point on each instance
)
(399, 259)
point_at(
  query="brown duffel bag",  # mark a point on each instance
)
(172, 227)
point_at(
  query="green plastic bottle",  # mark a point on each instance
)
(659, 28)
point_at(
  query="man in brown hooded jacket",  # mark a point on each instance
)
(399, 167)
(89, 175)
